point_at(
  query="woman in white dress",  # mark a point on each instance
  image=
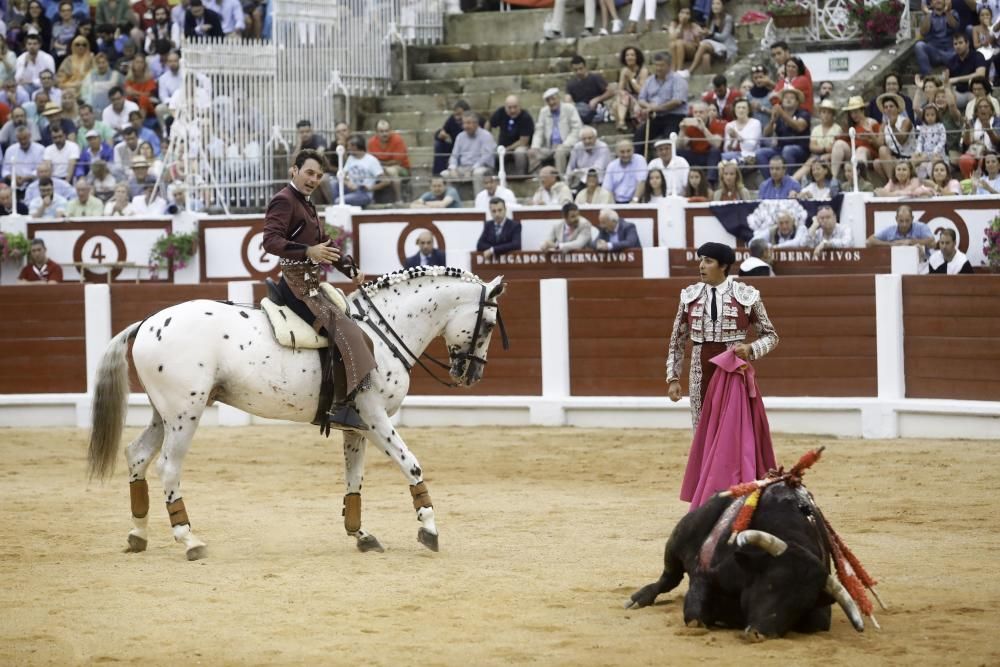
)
(742, 135)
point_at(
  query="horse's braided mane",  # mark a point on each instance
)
(404, 275)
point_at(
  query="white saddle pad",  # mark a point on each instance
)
(290, 330)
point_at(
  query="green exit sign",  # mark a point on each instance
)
(840, 65)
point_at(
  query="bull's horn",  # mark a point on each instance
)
(766, 541)
(843, 598)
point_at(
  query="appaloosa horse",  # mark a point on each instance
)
(201, 351)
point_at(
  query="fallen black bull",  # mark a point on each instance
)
(770, 578)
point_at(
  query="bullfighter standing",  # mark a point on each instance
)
(716, 314)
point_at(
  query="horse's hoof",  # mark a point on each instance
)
(428, 539)
(136, 544)
(369, 543)
(197, 553)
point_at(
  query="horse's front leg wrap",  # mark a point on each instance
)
(138, 492)
(421, 497)
(178, 515)
(352, 513)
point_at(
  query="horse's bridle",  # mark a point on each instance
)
(395, 343)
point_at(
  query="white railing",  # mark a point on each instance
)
(831, 21)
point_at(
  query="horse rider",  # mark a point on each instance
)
(293, 232)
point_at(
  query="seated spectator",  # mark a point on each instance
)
(625, 173)
(120, 203)
(718, 43)
(904, 183)
(655, 188)
(730, 183)
(74, 69)
(967, 64)
(789, 126)
(98, 84)
(948, 259)
(85, 204)
(32, 63)
(389, 148)
(662, 104)
(149, 201)
(590, 153)
(162, 29)
(179, 200)
(697, 188)
(47, 204)
(232, 17)
(7, 202)
(556, 132)
(439, 196)
(587, 91)
(13, 95)
(980, 88)
(140, 86)
(501, 234)
(362, 177)
(722, 97)
(980, 137)
(758, 264)
(700, 139)
(891, 85)
(904, 232)
(491, 189)
(685, 35)
(675, 168)
(824, 92)
(819, 185)
(115, 115)
(551, 191)
(143, 133)
(168, 83)
(868, 138)
(89, 122)
(759, 95)
(931, 144)
(62, 154)
(40, 269)
(779, 185)
(785, 233)
(21, 159)
(515, 129)
(307, 138)
(988, 184)
(63, 29)
(941, 183)
(572, 233)
(847, 184)
(631, 79)
(592, 193)
(155, 163)
(444, 140)
(797, 77)
(741, 137)
(201, 22)
(137, 179)
(615, 234)
(821, 139)
(473, 153)
(53, 118)
(427, 254)
(62, 186)
(937, 28)
(825, 233)
(898, 138)
(102, 180)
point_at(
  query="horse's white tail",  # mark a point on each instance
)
(110, 405)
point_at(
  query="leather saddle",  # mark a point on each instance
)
(289, 329)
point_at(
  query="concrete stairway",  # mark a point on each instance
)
(488, 56)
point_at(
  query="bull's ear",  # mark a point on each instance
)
(496, 288)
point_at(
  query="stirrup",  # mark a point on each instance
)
(345, 418)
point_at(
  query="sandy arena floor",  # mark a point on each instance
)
(544, 534)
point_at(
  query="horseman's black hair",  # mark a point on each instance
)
(310, 154)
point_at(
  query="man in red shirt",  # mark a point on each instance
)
(722, 97)
(40, 268)
(700, 139)
(389, 148)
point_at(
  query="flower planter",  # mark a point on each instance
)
(792, 20)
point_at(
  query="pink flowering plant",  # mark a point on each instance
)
(177, 249)
(13, 246)
(878, 22)
(991, 243)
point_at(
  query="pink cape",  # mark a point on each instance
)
(733, 442)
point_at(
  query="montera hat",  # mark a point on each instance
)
(720, 252)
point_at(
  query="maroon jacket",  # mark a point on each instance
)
(291, 226)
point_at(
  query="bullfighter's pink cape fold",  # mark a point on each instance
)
(733, 442)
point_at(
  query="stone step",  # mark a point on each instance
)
(486, 68)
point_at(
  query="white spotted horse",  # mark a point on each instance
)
(197, 352)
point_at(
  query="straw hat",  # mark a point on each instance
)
(139, 162)
(880, 100)
(856, 102)
(549, 93)
(828, 104)
(795, 91)
(51, 109)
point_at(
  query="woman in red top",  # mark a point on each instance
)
(797, 77)
(140, 86)
(868, 137)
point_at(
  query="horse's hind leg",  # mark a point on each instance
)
(179, 433)
(139, 454)
(354, 459)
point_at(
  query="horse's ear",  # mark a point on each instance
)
(497, 287)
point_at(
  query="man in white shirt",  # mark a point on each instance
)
(230, 13)
(115, 115)
(825, 233)
(32, 63)
(62, 154)
(675, 168)
(363, 175)
(491, 189)
(22, 158)
(169, 83)
(47, 204)
(126, 152)
(149, 202)
(588, 153)
(43, 172)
